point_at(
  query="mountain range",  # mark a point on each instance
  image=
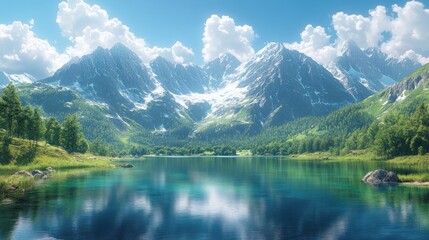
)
(224, 97)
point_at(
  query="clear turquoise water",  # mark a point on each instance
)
(221, 198)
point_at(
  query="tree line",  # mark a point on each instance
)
(396, 134)
(27, 123)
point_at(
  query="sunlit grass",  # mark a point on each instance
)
(415, 177)
(25, 155)
(411, 160)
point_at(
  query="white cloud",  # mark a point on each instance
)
(365, 31)
(177, 53)
(22, 51)
(410, 32)
(89, 26)
(222, 35)
(315, 43)
(410, 54)
(407, 27)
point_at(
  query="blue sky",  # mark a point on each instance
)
(163, 22)
(175, 29)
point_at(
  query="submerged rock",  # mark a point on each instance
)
(126, 165)
(25, 173)
(380, 176)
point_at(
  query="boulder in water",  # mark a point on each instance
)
(380, 176)
(127, 165)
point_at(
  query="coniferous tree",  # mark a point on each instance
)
(70, 133)
(53, 132)
(71, 137)
(22, 122)
(36, 126)
(10, 107)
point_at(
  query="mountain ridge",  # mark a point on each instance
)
(223, 97)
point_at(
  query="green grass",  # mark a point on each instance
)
(420, 71)
(25, 155)
(414, 177)
(410, 160)
(244, 153)
(357, 155)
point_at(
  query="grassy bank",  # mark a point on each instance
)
(365, 155)
(26, 155)
(362, 155)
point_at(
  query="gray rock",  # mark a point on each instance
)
(13, 188)
(25, 173)
(380, 176)
(37, 173)
(50, 169)
(127, 165)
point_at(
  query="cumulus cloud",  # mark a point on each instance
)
(222, 35)
(177, 53)
(406, 27)
(22, 51)
(365, 31)
(410, 32)
(89, 26)
(315, 42)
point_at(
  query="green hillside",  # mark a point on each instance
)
(393, 122)
(26, 155)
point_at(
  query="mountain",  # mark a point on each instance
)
(364, 73)
(219, 68)
(178, 78)
(15, 78)
(277, 85)
(59, 101)
(404, 96)
(140, 101)
(117, 79)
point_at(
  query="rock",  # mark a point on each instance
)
(380, 176)
(37, 173)
(6, 201)
(13, 188)
(126, 165)
(25, 173)
(50, 169)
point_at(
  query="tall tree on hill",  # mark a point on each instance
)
(10, 107)
(419, 130)
(36, 126)
(70, 133)
(53, 132)
(22, 122)
(72, 138)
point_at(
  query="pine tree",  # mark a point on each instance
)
(71, 138)
(36, 126)
(22, 122)
(53, 132)
(10, 107)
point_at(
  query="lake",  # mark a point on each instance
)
(221, 198)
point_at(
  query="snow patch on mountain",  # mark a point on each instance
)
(23, 78)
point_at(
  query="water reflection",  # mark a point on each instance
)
(215, 198)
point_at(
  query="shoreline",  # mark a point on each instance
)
(67, 165)
(416, 183)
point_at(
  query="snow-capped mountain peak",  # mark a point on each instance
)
(23, 78)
